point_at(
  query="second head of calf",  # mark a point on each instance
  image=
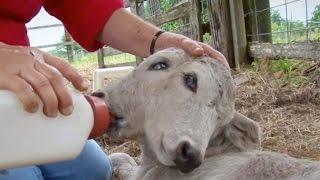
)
(173, 104)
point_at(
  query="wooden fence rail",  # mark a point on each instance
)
(180, 11)
(304, 50)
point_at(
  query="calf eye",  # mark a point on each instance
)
(191, 81)
(159, 66)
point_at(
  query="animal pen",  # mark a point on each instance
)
(243, 30)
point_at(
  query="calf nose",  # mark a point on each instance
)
(187, 157)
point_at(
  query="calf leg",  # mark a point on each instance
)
(123, 165)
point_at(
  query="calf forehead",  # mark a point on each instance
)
(176, 55)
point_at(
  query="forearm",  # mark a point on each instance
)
(127, 32)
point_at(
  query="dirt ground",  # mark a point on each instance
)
(286, 104)
(288, 113)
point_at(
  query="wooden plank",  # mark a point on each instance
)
(100, 55)
(175, 13)
(250, 20)
(70, 52)
(238, 33)
(195, 19)
(305, 50)
(264, 19)
(221, 28)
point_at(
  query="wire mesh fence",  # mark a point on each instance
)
(284, 21)
(273, 21)
(156, 7)
(70, 50)
(161, 9)
(283, 29)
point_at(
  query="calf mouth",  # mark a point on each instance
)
(117, 123)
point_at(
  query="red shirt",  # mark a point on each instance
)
(84, 19)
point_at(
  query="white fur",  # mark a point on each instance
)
(160, 112)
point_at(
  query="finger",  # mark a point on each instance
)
(44, 89)
(57, 83)
(67, 71)
(192, 47)
(215, 54)
(23, 90)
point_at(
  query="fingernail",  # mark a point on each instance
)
(85, 84)
(67, 111)
(52, 114)
(198, 50)
(32, 109)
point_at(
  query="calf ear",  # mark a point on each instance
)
(241, 134)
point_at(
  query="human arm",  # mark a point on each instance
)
(93, 23)
(127, 32)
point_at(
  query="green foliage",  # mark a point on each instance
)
(88, 60)
(172, 26)
(287, 71)
(205, 12)
(298, 81)
(276, 17)
(207, 38)
(280, 26)
(164, 6)
(283, 65)
(316, 14)
(61, 50)
(255, 65)
(298, 32)
(119, 59)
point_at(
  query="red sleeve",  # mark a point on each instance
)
(83, 19)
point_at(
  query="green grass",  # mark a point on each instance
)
(119, 59)
(289, 70)
(284, 65)
(82, 62)
(298, 36)
(91, 59)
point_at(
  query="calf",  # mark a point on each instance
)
(181, 111)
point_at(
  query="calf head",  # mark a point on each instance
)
(175, 105)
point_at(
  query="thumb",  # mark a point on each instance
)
(192, 47)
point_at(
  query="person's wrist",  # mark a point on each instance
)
(154, 40)
(168, 39)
